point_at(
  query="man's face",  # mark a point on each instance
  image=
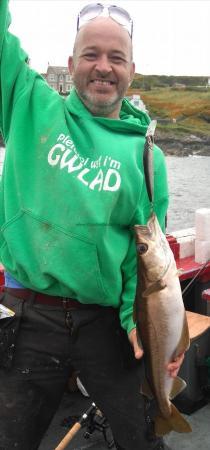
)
(102, 66)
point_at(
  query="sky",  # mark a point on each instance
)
(171, 37)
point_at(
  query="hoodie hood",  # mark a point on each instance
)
(132, 120)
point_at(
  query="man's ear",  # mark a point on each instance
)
(132, 72)
(71, 65)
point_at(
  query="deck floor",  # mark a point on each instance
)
(76, 404)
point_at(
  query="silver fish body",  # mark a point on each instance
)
(161, 322)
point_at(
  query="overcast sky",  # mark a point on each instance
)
(171, 37)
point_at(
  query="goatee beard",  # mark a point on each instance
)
(100, 108)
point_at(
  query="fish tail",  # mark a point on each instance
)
(176, 422)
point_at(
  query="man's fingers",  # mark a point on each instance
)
(138, 351)
(174, 366)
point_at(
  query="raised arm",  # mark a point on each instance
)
(14, 73)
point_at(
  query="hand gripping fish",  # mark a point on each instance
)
(159, 312)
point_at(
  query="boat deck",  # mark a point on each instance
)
(75, 404)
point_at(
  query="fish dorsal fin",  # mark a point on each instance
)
(155, 287)
(178, 386)
(175, 422)
(146, 390)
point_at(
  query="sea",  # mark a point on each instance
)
(189, 188)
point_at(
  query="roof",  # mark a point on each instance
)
(57, 70)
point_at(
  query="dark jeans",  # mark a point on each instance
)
(48, 342)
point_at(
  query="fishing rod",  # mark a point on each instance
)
(94, 420)
(76, 427)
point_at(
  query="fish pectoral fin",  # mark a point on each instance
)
(155, 287)
(175, 422)
(178, 386)
(146, 390)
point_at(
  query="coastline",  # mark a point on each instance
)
(182, 145)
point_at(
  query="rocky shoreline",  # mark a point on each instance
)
(183, 145)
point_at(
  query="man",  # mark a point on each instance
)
(72, 187)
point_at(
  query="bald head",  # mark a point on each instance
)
(102, 66)
(106, 27)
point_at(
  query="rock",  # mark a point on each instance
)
(182, 145)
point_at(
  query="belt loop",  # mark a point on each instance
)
(68, 315)
(65, 303)
(32, 297)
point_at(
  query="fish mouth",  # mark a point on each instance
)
(147, 229)
(144, 229)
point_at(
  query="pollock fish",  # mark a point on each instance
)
(161, 321)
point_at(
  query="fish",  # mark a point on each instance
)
(161, 323)
(159, 314)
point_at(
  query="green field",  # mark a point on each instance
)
(189, 107)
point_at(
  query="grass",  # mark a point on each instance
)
(190, 108)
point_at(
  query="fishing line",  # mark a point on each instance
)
(195, 277)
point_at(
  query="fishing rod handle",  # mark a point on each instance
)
(69, 436)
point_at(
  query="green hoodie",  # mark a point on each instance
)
(72, 187)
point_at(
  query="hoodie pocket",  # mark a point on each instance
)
(46, 257)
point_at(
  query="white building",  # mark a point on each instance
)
(138, 103)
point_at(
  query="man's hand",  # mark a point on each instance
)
(138, 351)
(174, 366)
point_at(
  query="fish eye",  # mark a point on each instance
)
(142, 248)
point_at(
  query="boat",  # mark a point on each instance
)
(194, 271)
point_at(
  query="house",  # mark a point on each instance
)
(59, 78)
(136, 101)
(179, 86)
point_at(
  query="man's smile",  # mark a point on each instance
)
(99, 82)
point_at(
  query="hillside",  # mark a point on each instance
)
(152, 81)
(181, 109)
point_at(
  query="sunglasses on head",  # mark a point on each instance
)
(94, 10)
